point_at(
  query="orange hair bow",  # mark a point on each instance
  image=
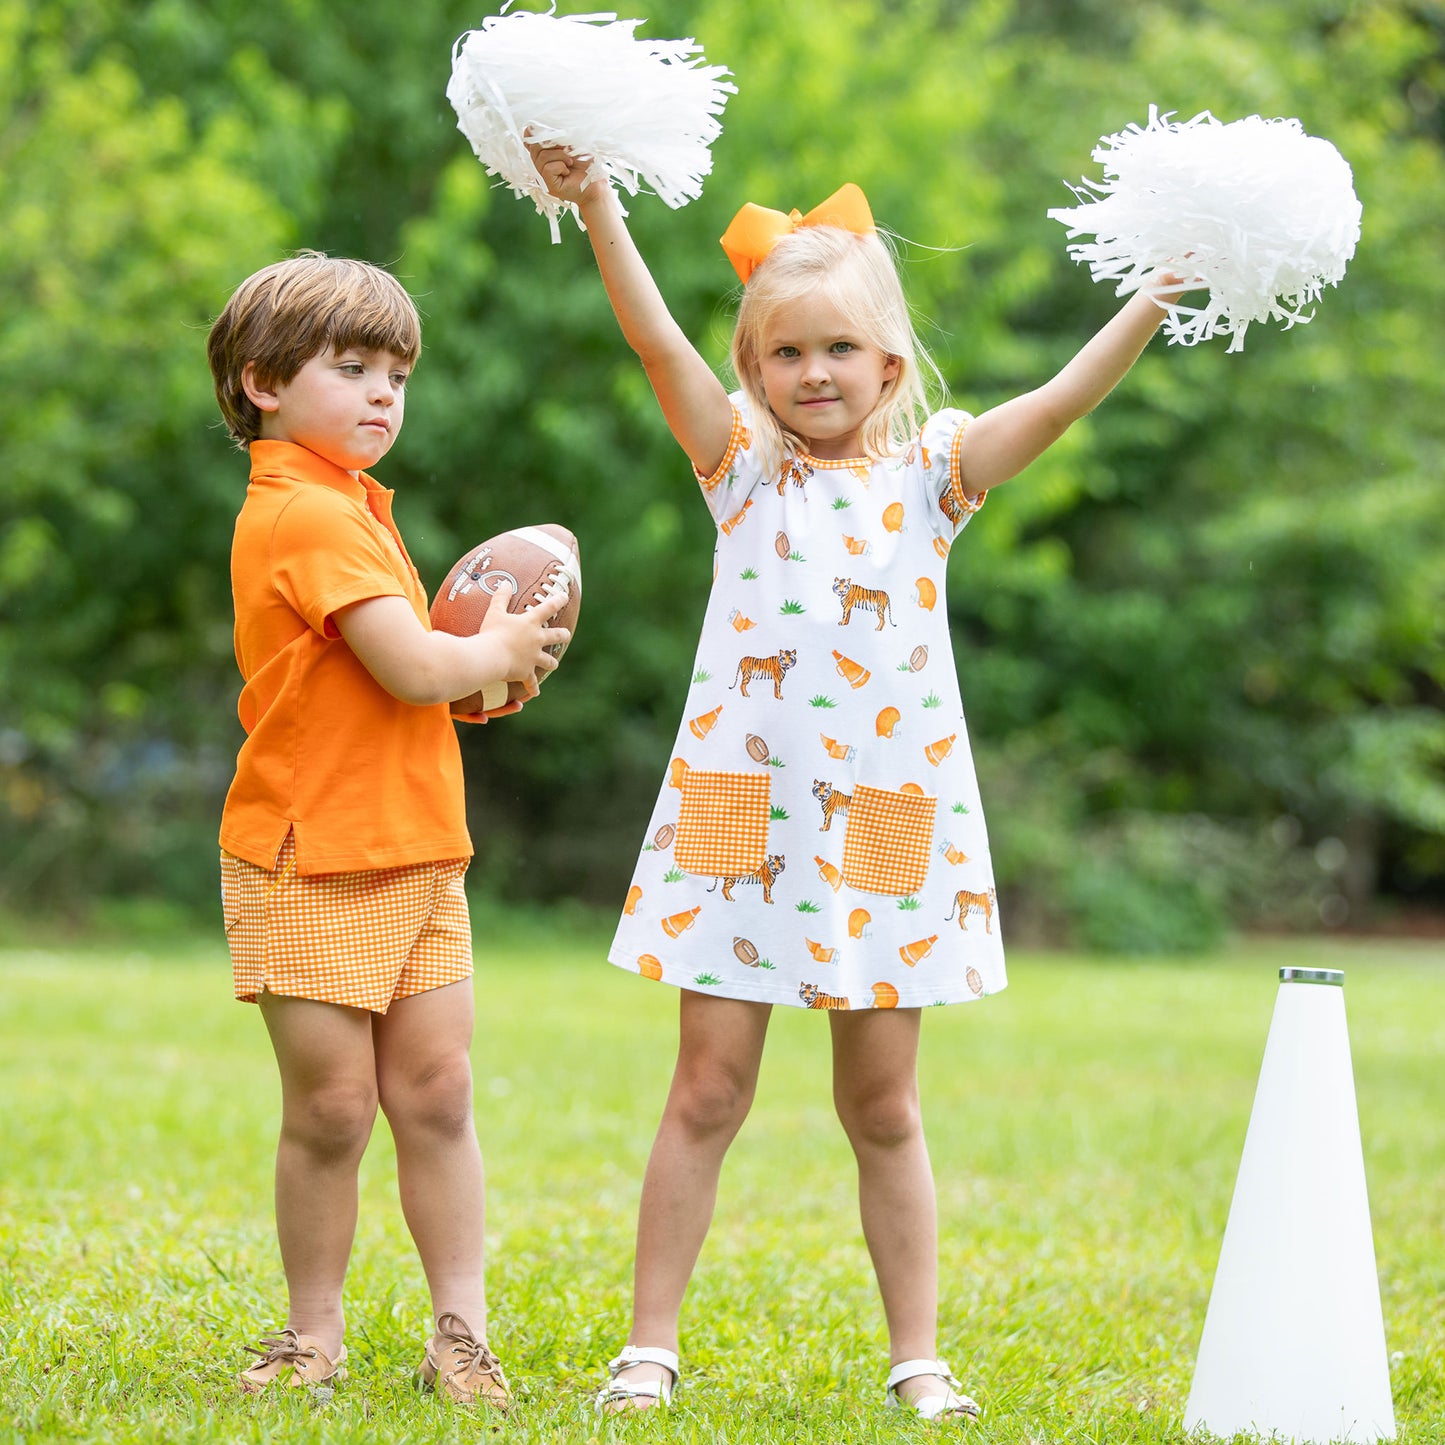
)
(755, 230)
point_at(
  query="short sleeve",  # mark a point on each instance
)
(951, 506)
(732, 482)
(327, 553)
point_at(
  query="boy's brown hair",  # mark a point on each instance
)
(295, 309)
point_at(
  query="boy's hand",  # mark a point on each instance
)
(422, 667)
(520, 639)
(506, 710)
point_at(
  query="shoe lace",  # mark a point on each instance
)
(471, 1355)
(284, 1348)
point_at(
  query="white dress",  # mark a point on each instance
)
(818, 840)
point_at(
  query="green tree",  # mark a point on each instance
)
(1197, 638)
(124, 220)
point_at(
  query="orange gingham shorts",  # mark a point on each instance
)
(359, 939)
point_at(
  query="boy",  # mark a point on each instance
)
(344, 840)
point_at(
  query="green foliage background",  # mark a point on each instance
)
(1200, 641)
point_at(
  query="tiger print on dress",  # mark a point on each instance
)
(953, 502)
(771, 668)
(794, 471)
(964, 902)
(767, 875)
(832, 801)
(814, 997)
(870, 599)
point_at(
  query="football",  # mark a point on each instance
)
(539, 562)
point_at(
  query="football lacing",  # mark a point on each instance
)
(554, 584)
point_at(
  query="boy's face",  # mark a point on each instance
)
(346, 406)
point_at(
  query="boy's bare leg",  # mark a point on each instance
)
(720, 1046)
(328, 1106)
(424, 1073)
(875, 1090)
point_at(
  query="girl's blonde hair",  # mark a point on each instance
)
(288, 312)
(858, 275)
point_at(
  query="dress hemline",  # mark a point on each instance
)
(786, 1000)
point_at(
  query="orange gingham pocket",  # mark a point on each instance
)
(722, 825)
(887, 842)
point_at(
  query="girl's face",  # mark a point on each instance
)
(820, 377)
(346, 406)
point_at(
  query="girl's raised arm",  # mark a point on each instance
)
(1006, 438)
(693, 400)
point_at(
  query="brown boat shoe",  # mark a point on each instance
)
(295, 1360)
(460, 1366)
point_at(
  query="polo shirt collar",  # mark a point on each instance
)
(285, 461)
(298, 463)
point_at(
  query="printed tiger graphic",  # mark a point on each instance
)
(814, 997)
(950, 503)
(955, 504)
(767, 875)
(832, 801)
(771, 668)
(870, 599)
(795, 471)
(965, 902)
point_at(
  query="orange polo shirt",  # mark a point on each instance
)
(361, 778)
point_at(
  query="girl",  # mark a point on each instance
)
(818, 841)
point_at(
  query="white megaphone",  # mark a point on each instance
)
(1294, 1340)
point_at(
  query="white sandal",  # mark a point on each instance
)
(624, 1392)
(951, 1405)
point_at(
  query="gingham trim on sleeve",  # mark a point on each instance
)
(964, 504)
(737, 439)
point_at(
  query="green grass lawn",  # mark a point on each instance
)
(1086, 1127)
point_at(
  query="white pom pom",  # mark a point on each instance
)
(1262, 214)
(643, 110)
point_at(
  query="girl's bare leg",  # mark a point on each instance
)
(720, 1046)
(875, 1089)
(328, 1105)
(424, 1074)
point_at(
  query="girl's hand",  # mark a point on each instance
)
(1174, 283)
(565, 173)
